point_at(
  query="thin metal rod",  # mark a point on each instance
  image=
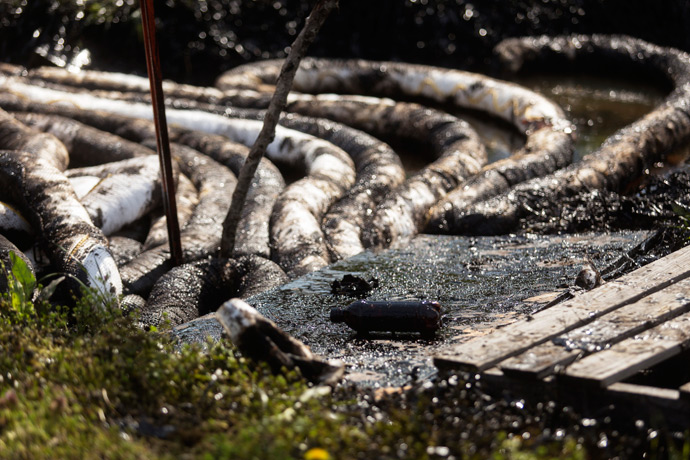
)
(153, 67)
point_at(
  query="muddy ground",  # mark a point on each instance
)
(481, 282)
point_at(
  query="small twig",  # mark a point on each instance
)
(148, 21)
(318, 16)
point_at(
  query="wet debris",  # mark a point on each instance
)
(661, 243)
(589, 277)
(651, 205)
(262, 340)
(353, 286)
(395, 316)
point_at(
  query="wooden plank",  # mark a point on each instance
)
(685, 391)
(539, 361)
(644, 390)
(631, 319)
(634, 354)
(481, 353)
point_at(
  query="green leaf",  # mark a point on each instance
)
(23, 274)
(17, 295)
(48, 291)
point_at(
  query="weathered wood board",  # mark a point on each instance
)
(609, 329)
(634, 354)
(485, 352)
(644, 390)
(539, 361)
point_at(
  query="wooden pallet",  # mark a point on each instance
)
(595, 340)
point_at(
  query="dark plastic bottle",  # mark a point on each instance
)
(397, 316)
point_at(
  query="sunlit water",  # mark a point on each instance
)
(598, 107)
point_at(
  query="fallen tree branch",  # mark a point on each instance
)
(260, 339)
(298, 49)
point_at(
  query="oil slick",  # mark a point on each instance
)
(73, 244)
(126, 191)
(351, 193)
(620, 159)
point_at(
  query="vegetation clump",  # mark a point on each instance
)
(87, 382)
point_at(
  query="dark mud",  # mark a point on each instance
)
(195, 289)
(659, 200)
(480, 282)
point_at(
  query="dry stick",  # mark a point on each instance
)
(148, 21)
(311, 28)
